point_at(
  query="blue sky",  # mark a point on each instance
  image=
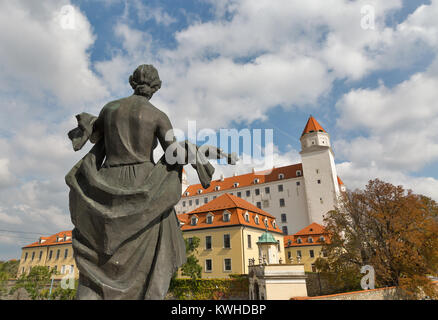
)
(228, 64)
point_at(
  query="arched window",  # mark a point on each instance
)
(200, 191)
(298, 172)
(217, 188)
(299, 240)
(194, 221)
(310, 240)
(256, 180)
(281, 176)
(256, 219)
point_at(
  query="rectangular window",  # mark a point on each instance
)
(65, 253)
(282, 202)
(72, 269)
(58, 252)
(33, 255)
(283, 217)
(226, 217)
(319, 181)
(259, 204)
(208, 242)
(208, 265)
(249, 241)
(209, 219)
(184, 203)
(289, 254)
(50, 254)
(248, 193)
(227, 264)
(197, 201)
(190, 202)
(280, 188)
(257, 192)
(239, 194)
(284, 229)
(205, 200)
(311, 253)
(299, 253)
(298, 183)
(227, 243)
(41, 255)
(267, 190)
(25, 256)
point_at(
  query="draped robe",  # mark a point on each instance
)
(127, 242)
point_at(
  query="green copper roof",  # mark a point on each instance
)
(267, 238)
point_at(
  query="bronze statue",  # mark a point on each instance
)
(127, 241)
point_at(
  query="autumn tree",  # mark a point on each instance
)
(389, 228)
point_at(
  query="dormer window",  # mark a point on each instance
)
(194, 221)
(199, 191)
(65, 238)
(299, 240)
(310, 240)
(246, 216)
(266, 222)
(217, 188)
(281, 176)
(298, 172)
(322, 239)
(57, 238)
(274, 224)
(209, 219)
(256, 219)
(235, 184)
(186, 193)
(226, 216)
(256, 180)
(289, 242)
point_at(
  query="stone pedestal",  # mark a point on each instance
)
(277, 281)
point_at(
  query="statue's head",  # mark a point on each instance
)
(145, 80)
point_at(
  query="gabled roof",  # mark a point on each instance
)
(228, 201)
(311, 229)
(51, 240)
(238, 208)
(312, 126)
(247, 179)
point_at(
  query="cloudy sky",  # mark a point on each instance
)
(371, 83)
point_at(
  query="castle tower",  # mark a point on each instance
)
(319, 171)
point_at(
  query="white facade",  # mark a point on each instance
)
(295, 201)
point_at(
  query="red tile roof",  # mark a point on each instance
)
(51, 240)
(340, 181)
(314, 231)
(247, 179)
(312, 126)
(236, 207)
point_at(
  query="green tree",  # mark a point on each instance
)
(36, 282)
(389, 228)
(191, 268)
(8, 270)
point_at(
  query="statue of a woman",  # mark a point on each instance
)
(126, 241)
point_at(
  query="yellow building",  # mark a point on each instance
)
(229, 228)
(305, 246)
(54, 251)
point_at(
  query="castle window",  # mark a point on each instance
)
(65, 253)
(246, 216)
(208, 265)
(298, 173)
(235, 184)
(280, 188)
(184, 203)
(299, 254)
(239, 194)
(319, 181)
(256, 180)
(274, 224)
(259, 204)
(266, 222)
(282, 204)
(217, 188)
(25, 256)
(310, 240)
(41, 255)
(322, 239)
(257, 192)
(281, 176)
(249, 241)
(205, 200)
(227, 264)
(299, 240)
(207, 242)
(283, 217)
(227, 241)
(209, 219)
(298, 183)
(248, 193)
(58, 252)
(199, 191)
(197, 201)
(186, 193)
(33, 255)
(267, 190)
(256, 219)
(194, 221)
(311, 253)
(285, 231)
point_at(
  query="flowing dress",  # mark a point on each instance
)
(127, 241)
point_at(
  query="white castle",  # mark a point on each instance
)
(297, 195)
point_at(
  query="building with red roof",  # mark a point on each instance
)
(296, 195)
